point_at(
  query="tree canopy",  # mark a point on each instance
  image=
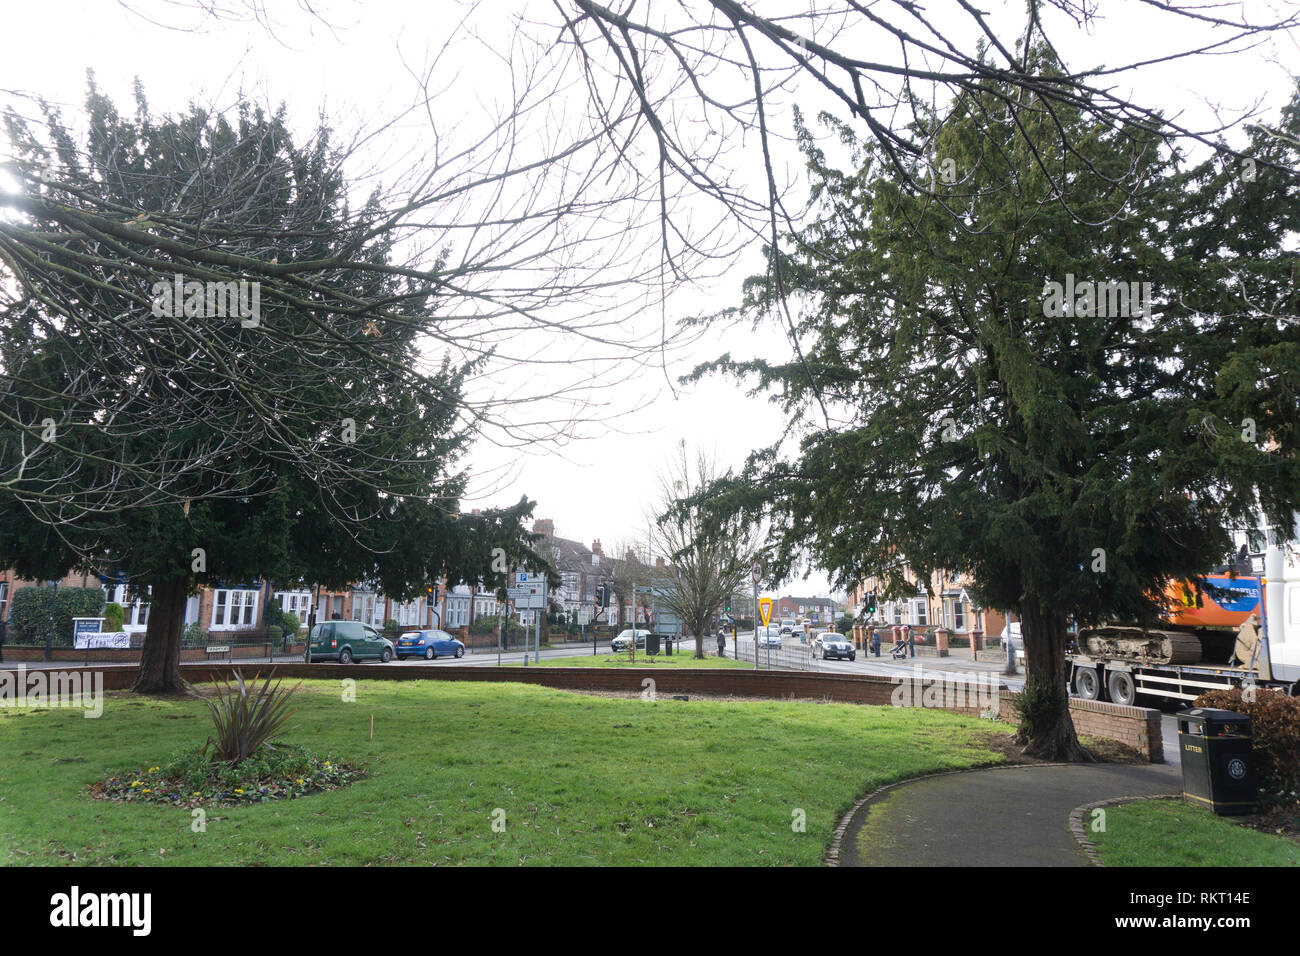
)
(1068, 415)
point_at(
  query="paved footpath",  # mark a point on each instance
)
(1016, 816)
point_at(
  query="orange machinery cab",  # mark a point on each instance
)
(1226, 608)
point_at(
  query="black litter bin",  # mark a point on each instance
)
(668, 645)
(652, 643)
(1218, 771)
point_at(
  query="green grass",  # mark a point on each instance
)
(581, 779)
(620, 660)
(1174, 833)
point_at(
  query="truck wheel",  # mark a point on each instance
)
(1086, 683)
(1121, 687)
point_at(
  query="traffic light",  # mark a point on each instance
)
(871, 602)
(600, 595)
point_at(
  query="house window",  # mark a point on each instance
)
(135, 610)
(4, 600)
(958, 616)
(919, 613)
(234, 608)
(368, 608)
(295, 602)
(409, 614)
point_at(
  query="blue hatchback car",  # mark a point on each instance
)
(430, 645)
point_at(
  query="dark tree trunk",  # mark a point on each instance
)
(160, 660)
(1049, 733)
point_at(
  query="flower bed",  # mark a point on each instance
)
(191, 778)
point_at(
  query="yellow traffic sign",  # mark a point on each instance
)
(765, 610)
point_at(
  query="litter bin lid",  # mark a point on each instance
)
(1212, 722)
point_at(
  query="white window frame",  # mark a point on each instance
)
(920, 613)
(295, 602)
(234, 602)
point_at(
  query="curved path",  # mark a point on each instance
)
(1013, 816)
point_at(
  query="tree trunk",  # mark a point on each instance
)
(1047, 730)
(160, 660)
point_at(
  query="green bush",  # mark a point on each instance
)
(40, 611)
(192, 634)
(114, 616)
(290, 623)
(1275, 729)
(487, 624)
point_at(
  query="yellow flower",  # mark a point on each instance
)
(146, 790)
(300, 779)
(239, 791)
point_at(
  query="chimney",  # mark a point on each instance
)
(659, 561)
(544, 526)
(595, 547)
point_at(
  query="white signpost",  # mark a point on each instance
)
(528, 592)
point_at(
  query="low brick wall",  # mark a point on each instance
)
(1138, 727)
(131, 655)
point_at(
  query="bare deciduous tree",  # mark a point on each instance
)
(707, 559)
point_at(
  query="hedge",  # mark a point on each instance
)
(39, 611)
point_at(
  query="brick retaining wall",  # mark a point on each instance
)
(1138, 727)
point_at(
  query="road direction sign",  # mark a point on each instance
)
(765, 610)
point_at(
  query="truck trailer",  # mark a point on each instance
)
(1240, 631)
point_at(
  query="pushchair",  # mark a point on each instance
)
(899, 651)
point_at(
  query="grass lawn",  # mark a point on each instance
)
(620, 660)
(1174, 833)
(581, 779)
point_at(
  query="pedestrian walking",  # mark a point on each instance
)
(722, 643)
(875, 642)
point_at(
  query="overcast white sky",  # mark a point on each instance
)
(358, 68)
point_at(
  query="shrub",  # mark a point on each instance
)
(247, 718)
(391, 625)
(1275, 725)
(487, 624)
(191, 634)
(1039, 706)
(114, 616)
(273, 634)
(40, 611)
(290, 623)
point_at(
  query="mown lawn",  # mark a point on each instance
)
(581, 779)
(1174, 833)
(620, 660)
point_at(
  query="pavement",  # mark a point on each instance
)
(1013, 816)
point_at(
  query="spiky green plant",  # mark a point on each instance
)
(247, 717)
